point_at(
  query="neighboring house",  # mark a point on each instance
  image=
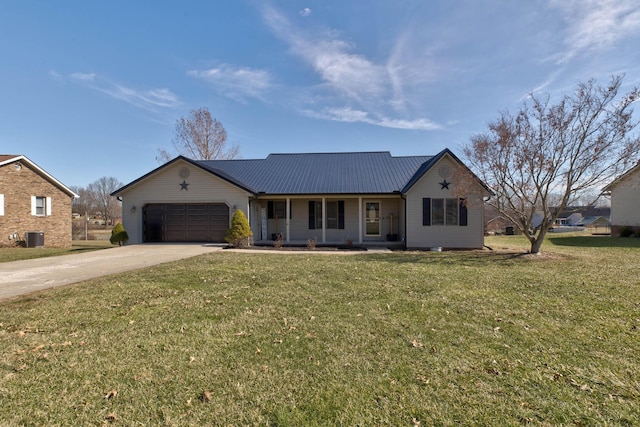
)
(596, 224)
(625, 201)
(35, 208)
(574, 216)
(499, 225)
(334, 198)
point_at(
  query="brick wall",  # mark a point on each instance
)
(18, 185)
(616, 229)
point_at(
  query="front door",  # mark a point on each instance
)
(372, 218)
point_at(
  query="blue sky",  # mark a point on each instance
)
(93, 88)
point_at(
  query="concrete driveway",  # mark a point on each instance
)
(23, 277)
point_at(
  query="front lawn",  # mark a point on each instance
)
(19, 253)
(416, 338)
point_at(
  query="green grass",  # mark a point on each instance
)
(19, 253)
(471, 338)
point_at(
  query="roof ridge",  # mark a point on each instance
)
(330, 152)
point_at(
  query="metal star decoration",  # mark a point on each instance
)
(444, 184)
(184, 185)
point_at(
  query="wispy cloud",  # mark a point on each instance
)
(305, 12)
(350, 115)
(83, 76)
(362, 90)
(237, 83)
(148, 99)
(595, 25)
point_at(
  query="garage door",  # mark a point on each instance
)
(185, 222)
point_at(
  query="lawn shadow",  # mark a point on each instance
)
(596, 241)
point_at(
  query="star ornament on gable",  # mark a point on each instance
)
(184, 185)
(444, 184)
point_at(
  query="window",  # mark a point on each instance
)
(40, 206)
(444, 212)
(335, 215)
(277, 209)
(315, 215)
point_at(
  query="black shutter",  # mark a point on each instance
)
(426, 211)
(463, 212)
(312, 215)
(270, 209)
(341, 214)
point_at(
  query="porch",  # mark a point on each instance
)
(335, 245)
(336, 221)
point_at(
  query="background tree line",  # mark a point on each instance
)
(96, 200)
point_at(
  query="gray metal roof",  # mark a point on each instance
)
(321, 173)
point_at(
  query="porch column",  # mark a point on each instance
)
(360, 219)
(324, 220)
(288, 221)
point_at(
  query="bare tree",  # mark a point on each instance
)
(108, 205)
(548, 155)
(83, 204)
(200, 137)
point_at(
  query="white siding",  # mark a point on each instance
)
(446, 236)
(164, 187)
(625, 201)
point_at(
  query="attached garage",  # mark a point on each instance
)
(185, 222)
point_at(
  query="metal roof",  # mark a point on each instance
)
(321, 173)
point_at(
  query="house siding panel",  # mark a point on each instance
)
(164, 187)
(18, 187)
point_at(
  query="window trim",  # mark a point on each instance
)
(46, 207)
(1, 204)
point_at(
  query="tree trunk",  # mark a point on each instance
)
(536, 245)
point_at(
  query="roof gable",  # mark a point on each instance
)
(6, 159)
(219, 173)
(624, 176)
(433, 161)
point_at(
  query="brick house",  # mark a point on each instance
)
(35, 208)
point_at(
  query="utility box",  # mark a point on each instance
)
(35, 239)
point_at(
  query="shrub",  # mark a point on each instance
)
(626, 231)
(311, 243)
(118, 235)
(239, 233)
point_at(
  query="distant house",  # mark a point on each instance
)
(625, 201)
(334, 198)
(35, 208)
(574, 216)
(596, 224)
(499, 225)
